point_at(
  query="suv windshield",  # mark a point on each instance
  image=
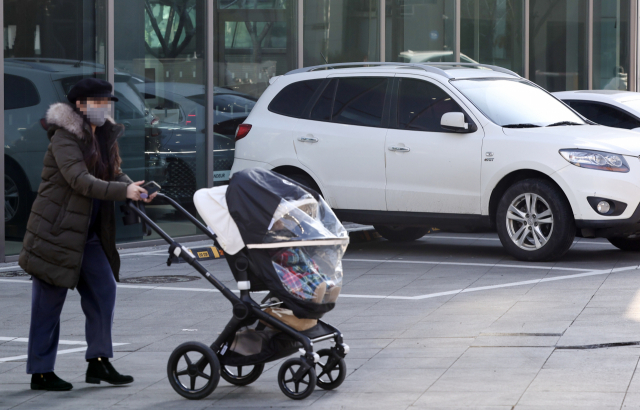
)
(516, 103)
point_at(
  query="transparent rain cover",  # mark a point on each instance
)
(304, 219)
(312, 271)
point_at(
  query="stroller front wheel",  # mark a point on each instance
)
(193, 370)
(332, 369)
(297, 379)
(235, 376)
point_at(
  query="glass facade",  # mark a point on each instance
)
(159, 76)
(339, 31)
(46, 50)
(420, 31)
(558, 44)
(162, 65)
(611, 35)
(491, 33)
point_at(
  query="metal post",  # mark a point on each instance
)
(525, 39)
(456, 46)
(2, 228)
(300, 33)
(633, 44)
(110, 65)
(209, 70)
(476, 40)
(590, 44)
(383, 33)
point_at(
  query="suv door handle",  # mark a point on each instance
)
(400, 149)
(308, 139)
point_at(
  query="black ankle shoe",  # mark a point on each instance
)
(101, 370)
(49, 381)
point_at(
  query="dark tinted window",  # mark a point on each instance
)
(322, 110)
(360, 101)
(605, 115)
(294, 97)
(422, 104)
(19, 92)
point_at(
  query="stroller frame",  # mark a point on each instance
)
(245, 312)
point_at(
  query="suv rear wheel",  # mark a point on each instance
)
(534, 221)
(305, 181)
(629, 244)
(401, 233)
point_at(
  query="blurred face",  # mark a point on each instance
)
(95, 109)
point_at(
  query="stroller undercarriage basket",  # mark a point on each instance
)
(279, 237)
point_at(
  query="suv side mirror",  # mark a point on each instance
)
(455, 122)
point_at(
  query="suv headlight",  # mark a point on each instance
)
(604, 161)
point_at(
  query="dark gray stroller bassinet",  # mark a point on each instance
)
(282, 239)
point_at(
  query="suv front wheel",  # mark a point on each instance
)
(401, 233)
(534, 221)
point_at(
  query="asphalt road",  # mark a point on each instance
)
(449, 321)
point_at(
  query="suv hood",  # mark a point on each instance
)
(594, 137)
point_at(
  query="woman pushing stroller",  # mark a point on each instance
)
(70, 239)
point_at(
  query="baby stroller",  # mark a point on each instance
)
(280, 239)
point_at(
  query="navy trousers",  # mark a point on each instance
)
(97, 288)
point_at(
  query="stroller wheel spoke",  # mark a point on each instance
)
(288, 380)
(239, 371)
(193, 382)
(205, 376)
(186, 358)
(297, 384)
(182, 372)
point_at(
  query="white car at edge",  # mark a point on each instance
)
(408, 146)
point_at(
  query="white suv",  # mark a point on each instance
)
(456, 146)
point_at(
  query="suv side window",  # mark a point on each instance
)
(292, 99)
(605, 115)
(19, 92)
(323, 108)
(360, 101)
(422, 104)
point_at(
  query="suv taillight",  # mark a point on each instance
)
(242, 131)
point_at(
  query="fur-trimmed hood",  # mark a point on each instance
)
(63, 115)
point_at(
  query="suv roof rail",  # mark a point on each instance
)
(429, 67)
(490, 67)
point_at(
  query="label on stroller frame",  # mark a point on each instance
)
(203, 254)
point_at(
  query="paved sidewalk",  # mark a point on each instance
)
(447, 322)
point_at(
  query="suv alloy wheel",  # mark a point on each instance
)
(534, 221)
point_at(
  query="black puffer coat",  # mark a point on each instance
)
(59, 222)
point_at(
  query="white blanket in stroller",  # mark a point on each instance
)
(211, 204)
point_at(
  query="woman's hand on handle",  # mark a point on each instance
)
(134, 190)
(147, 200)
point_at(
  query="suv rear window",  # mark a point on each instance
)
(293, 98)
(19, 92)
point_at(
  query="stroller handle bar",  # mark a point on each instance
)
(179, 250)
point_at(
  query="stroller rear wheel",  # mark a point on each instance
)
(332, 369)
(297, 379)
(193, 370)
(241, 375)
